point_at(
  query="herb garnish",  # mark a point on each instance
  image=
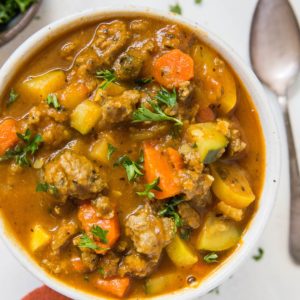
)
(169, 210)
(143, 80)
(12, 97)
(46, 187)
(165, 97)
(101, 271)
(144, 114)
(108, 76)
(148, 187)
(52, 101)
(21, 152)
(110, 151)
(133, 169)
(86, 242)
(260, 254)
(100, 233)
(176, 9)
(198, 1)
(211, 258)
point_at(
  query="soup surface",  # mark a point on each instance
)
(132, 158)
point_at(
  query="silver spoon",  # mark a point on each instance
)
(275, 57)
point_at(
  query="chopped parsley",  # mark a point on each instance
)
(28, 146)
(13, 96)
(46, 187)
(259, 255)
(143, 114)
(169, 210)
(108, 76)
(148, 187)
(211, 258)
(110, 151)
(100, 233)
(52, 101)
(101, 271)
(86, 242)
(167, 98)
(198, 1)
(176, 9)
(143, 81)
(133, 169)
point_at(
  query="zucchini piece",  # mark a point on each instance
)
(210, 142)
(180, 253)
(39, 238)
(85, 116)
(218, 234)
(38, 88)
(160, 284)
(231, 185)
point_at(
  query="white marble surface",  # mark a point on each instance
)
(275, 277)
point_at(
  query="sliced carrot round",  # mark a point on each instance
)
(173, 68)
(8, 135)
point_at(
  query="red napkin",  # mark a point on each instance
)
(44, 293)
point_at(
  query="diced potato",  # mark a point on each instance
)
(210, 141)
(159, 284)
(38, 88)
(181, 254)
(231, 185)
(73, 94)
(99, 150)
(39, 238)
(233, 213)
(218, 234)
(85, 116)
(114, 89)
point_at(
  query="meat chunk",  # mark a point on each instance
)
(137, 265)
(129, 64)
(191, 157)
(149, 233)
(55, 134)
(63, 234)
(188, 215)
(184, 91)
(74, 176)
(169, 37)
(109, 265)
(118, 109)
(90, 260)
(201, 201)
(104, 207)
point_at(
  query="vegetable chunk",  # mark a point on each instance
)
(159, 284)
(8, 135)
(115, 286)
(85, 116)
(38, 88)
(231, 185)
(39, 238)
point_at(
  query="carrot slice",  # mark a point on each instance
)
(8, 136)
(175, 158)
(115, 286)
(88, 217)
(158, 165)
(173, 68)
(206, 115)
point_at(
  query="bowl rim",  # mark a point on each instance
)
(251, 84)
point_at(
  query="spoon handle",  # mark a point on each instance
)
(294, 186)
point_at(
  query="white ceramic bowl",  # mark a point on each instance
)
(252, 85)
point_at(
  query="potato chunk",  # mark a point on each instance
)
(99, 150)
(85, 116)
(160, 284)
(39, 238)
(38, 88)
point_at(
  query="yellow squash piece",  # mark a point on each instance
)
(38, 88)
(159, 284)
(99, 150)
(180, 253)
(85, 116)
(218, 234)
(231, 185)
(39, 238)
(210, 142)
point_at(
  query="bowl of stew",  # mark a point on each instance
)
(138, 156)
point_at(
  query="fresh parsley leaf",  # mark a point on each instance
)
(176, 9)
(24, 4)
(165, 97)
(211, 258)
(100, 233)
(86, 242)
(110, 151)
(108, 76)
(13, 96)
(198, 1)
(143, 81)
(169, 210)
(148, 187)
(133, 169)
(101, 271)
(143, 114)
(22, 151)
(259, 255)
(52, 101)
(46, 187)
